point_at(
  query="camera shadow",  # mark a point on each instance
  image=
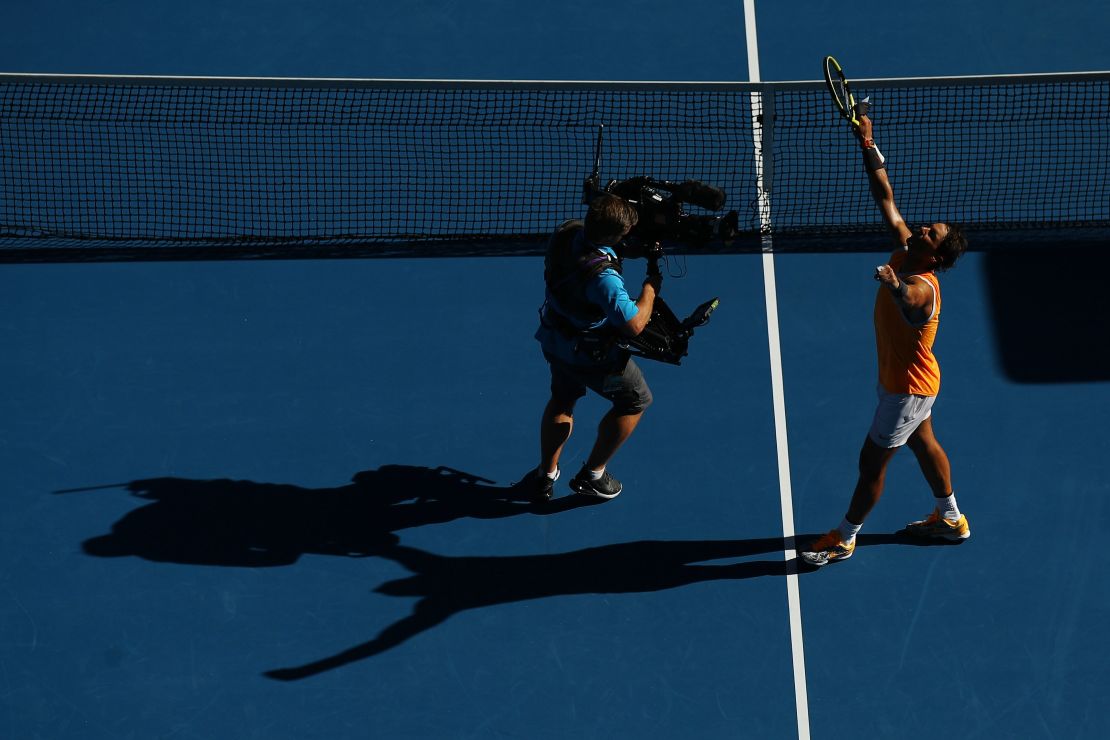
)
(247, 524)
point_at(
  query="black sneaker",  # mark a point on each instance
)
(605, 487)
(537, 486)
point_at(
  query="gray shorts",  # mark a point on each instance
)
(897, 417)
(624, 386)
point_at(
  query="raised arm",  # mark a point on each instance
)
(881, 190)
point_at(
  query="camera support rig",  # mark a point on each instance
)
(662, 218)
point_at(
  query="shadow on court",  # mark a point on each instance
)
(446, 586)
(1050, 326)
(248, 524)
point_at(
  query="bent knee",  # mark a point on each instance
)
(628, 392)
(633, 402)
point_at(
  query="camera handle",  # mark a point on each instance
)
(654, 255)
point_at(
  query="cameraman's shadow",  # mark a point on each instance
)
(243, 523)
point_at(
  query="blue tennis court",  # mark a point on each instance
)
(271, 498)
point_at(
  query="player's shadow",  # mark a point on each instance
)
(901, 538)
(445, 586)
(243, 523)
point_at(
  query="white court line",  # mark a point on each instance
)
(793, 596)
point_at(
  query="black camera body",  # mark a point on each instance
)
(660, 205)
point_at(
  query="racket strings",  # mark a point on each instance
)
(838, 87)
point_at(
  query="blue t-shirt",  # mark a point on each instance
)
(605, 290)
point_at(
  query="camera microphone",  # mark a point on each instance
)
(699, 194)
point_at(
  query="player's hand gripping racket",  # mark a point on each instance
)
(841, 93)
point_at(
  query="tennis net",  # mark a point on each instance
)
(99, 167)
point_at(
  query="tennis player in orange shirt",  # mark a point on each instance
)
(907, 314)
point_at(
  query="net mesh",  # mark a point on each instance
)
(1005, 157)
(102, 165)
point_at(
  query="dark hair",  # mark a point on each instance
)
(608, 218)
(951, 247)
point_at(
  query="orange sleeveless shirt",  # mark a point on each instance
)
(905, 351)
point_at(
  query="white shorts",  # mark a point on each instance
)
(898, 416)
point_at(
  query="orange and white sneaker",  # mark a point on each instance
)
(828, 549)
(937, 527)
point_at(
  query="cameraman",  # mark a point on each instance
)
(585, 306)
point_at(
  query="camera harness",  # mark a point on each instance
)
(566, 274)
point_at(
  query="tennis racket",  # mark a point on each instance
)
(841, 93)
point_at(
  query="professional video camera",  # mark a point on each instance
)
(663, 220)
(662, 216)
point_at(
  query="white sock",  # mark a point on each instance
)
(596, 474)
(947, 507)
(848, 531)
(553, 476)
